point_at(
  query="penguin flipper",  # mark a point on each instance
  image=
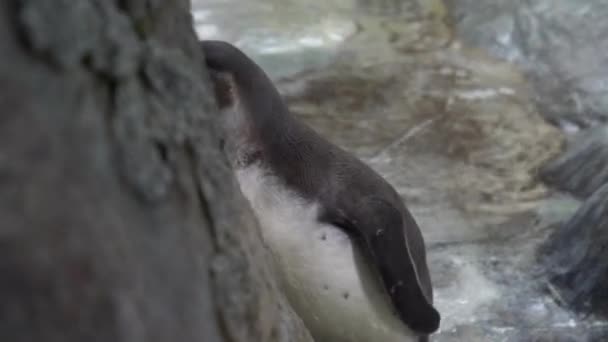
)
(379, 227)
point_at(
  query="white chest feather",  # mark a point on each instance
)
(326, 279)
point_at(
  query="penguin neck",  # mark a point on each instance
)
(262, 106)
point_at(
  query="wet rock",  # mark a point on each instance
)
(576, 256)
(560, 44)
(120, 219)
(583, 168)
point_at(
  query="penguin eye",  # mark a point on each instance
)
(223, 87)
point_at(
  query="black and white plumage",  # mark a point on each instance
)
(349, 253)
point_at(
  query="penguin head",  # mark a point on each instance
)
(237, 78)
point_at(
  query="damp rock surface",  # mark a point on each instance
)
(577, 256)
(559, 44)
(583, 168)
(120, 218)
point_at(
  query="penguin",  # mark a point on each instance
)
(349, 255)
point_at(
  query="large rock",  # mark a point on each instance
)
(560, 43)
(120, 219)
(583, 168)
(576, 256)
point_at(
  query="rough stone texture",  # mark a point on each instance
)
(576, 256)
(584, 167)
(561, 47)
(561, 44)
(120, 218)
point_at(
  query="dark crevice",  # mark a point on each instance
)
(15, 9)
(163, 151)
(203, 203)
(123, 5)
(12, 10)
(115, 142)
(223, 327)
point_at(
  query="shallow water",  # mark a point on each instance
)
(453, 128)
